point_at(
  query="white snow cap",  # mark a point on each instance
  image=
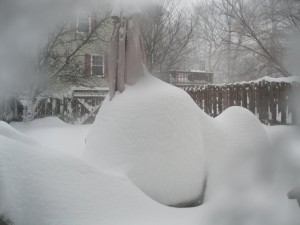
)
(126, 8)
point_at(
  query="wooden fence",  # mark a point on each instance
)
(272, 102)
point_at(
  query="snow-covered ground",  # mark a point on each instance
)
(141, 155)
(82, 194)
(53, 133)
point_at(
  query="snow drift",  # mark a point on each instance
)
(151, 133)
(237, 152)
(170, 149)
(42, 186)
(47, 186)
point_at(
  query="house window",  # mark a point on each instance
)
(83, 23)
(97, 65)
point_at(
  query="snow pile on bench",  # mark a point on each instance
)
(151, 133)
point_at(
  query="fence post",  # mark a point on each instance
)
(290, 105)
(231, 96)
(272, 100)
(201, 97)
(252, 97)
(263, 116)
(258, 100)
(206, 99)
(244, 96)
(283, 103)
(53, 106)
(214, 101)
(224, 98)
(238, 95)
(220, 100)
(292, 102)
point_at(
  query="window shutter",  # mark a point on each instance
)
(94, 22)
(88, 65)
(106, 65)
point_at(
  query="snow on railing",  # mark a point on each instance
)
(75, 110)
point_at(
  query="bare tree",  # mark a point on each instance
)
(289, 12)
(244, 39)
(61, 58)
(214, 36)
(209, 34)
(168, 33)
(258, 22)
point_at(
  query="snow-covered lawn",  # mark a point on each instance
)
(82, 194)
(53, 133)
(149, 148)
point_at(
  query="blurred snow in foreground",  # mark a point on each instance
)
(137, 157)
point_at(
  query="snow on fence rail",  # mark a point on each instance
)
(272, 102)
(69, 109)
(80, 107)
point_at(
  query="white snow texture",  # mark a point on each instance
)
(151, 140)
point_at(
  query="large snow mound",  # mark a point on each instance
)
(169, 148)
(42, 186)
(237, 151)
(46, 186)
(151, 133)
